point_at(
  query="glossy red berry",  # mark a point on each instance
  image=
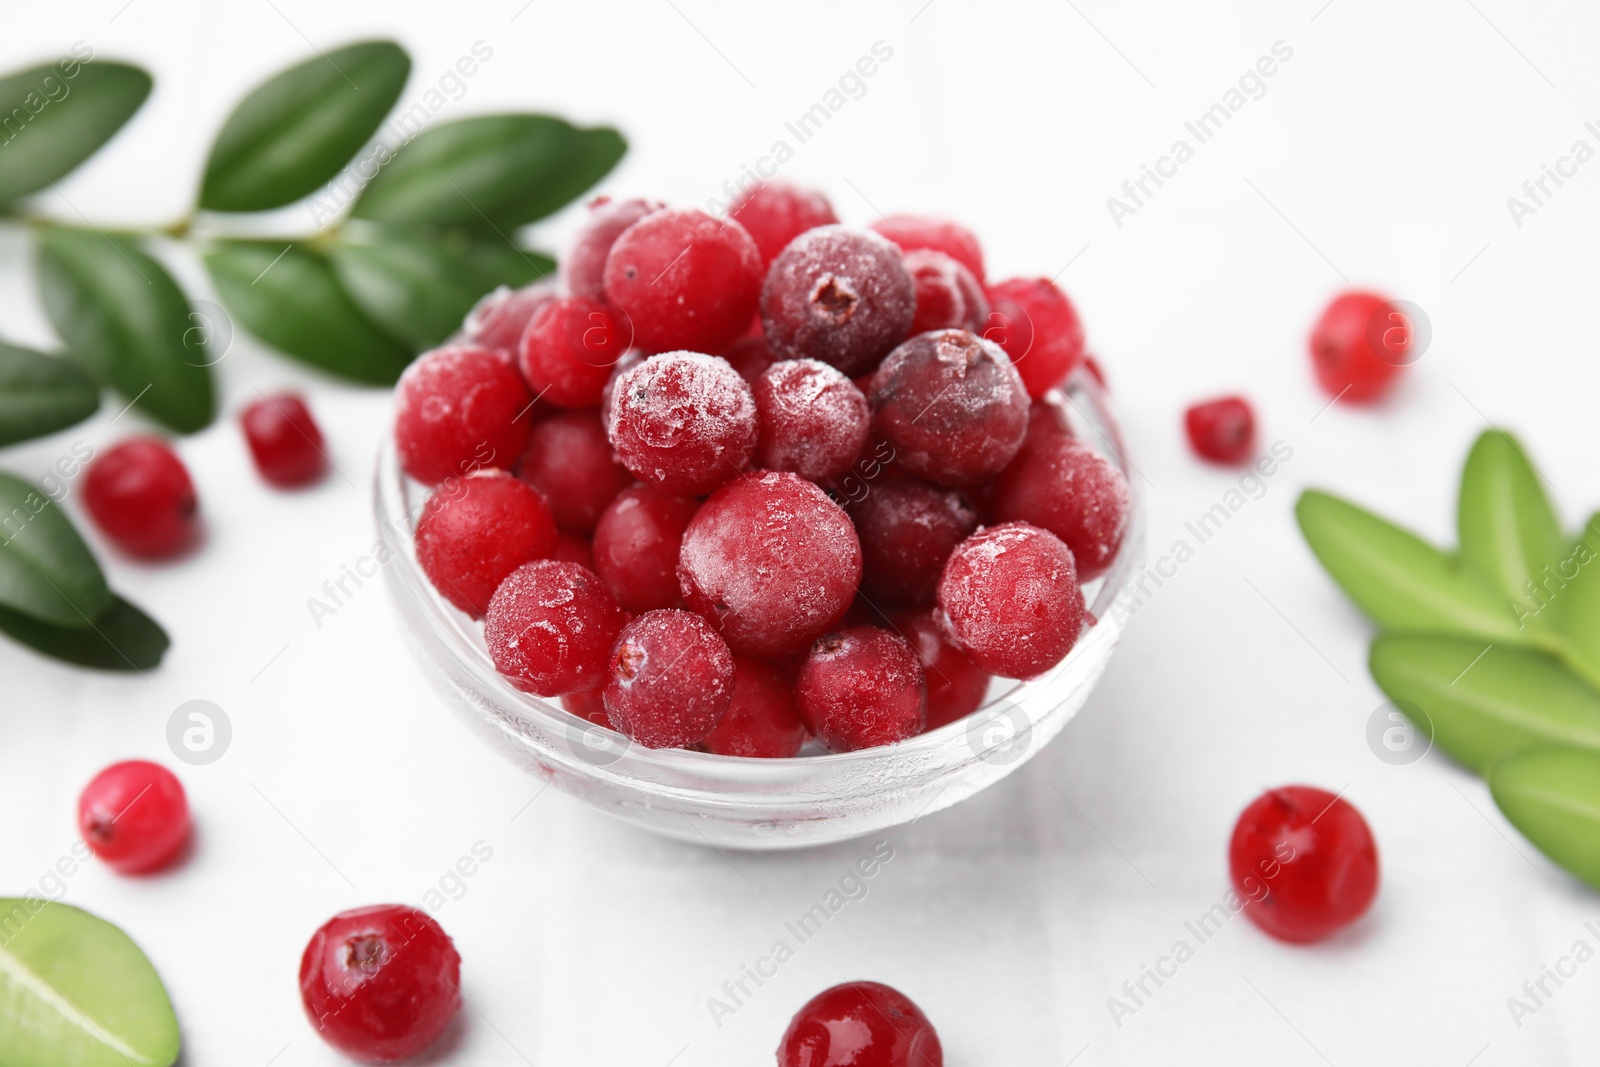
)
(636, 546)
(380, 983)
(140, 495)
(1038, 327)
(750, 356)
(813, 420)
(956, 685)
(284, 441)
(1359, 346)
(913, 232)
(574, 548)
(838, 295)
(860, 1024)
(1303, 862)
(670, 681)
(1009, 597)
(567, 351)
(497, 321)
(134, 816)
(458, 409)
(762, 721)
(775, 213)
(550, 627)
(683, 422)
(1222, 430)
(1071, 490)
(908, 528)
(585, 266)
(948, 296)
(570, 461)
(588, 704)
(861, 687)
(686, 280)
(476, 530)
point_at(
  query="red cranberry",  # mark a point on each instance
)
(550, 626)
(956, 686)
(671, 679)
(585, 266)
(1071, 490)
(570, 461)
(861, 687)
(771, 562)
(838, 295)
(134, 816)
(750, 357)
(686, 280)
(1096, 372)
(574, 548)
(1010, 598)
(380, 983)
(588, 704)
(458, 409)
(908, 528)
(813, 420)
(1039, 329)
(1359, 346)
(497, 321)
(1222, 430)
(948, 296)
(140, 495)
(636, 547)
(1304, 863)
(860, 1024)
(683, 422)
(1047, 418)
(569, 348)
(913, 232)
(284, 440)
(761, 722)
(951, 405)
(478, 530)
(630, 359)
(775, 213)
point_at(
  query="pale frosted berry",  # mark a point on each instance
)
(775, 213)
(838, 295)
(686, 280)
(478, 530)
(861, 687)
(1009, 597)
(497, 321)
(948, 296)
(670, 681)
(585, 265)
(683, 422)
(813, 420)
(550, 627)
(457, 409)
(569, 460)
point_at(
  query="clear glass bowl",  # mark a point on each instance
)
(732, 802)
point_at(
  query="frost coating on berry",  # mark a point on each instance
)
(948, 296)
(468, 541)
(685, 279)
(838, 295)
(1009, 597)
(498, 319)
(1071, 490)
(775, 213)
(683, 422)
(813, 420)
(457, 409)
(670, 680)
(585, 263)
(550, 627)
(861, 687)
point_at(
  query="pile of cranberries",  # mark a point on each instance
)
(750, 480)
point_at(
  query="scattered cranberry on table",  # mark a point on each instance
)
(140, 495)
(284, 441)
(1359, 346)
(860, 1024)
(1222, 430)
(134, 816)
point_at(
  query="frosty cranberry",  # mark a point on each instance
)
(775, 213)
(683, 422)
(860, 1024)
(686, 280)
(1222, 430)
(585, 265)
(1039, 329)
(457, 409)
(908, 528)
(140, 495)
(771, 562)
(813, 420)
(952, 407)
(630, 359)
(1071, 490)
(761, 721)
(636, 547)
(284, 440)
(956, 685)
(380, 983)
(479, 530)
(1046, 418)
(913, 232)
(750, 356)
(1359, 346)
(550, 626)
(567, 352)
(1304, 863)
(1009, 597)
(134, 816)
(671, 679)
(497, 321)
(861, 687)
(574, 548)
(570, 461)
(948, 296)
(838, 295)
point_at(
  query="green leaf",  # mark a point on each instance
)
(1509, 532)
(1582, 616)
(492, 172)
(46, 571)
(41, 394)
(419, 285)
(57, 116)
(1552, 795)
(1485, 705)
(77, 990)
(121, 312)
(121, 638)
(289, 296)
(296, 131)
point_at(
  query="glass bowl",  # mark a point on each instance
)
(734, 802)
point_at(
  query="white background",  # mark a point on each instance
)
(1383, 153)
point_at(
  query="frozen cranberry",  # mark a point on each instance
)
(497, 321)
(636, 547)
(683, 422)
(140, 495)
(1071, 490)
(1359, 346)
(671, 679)
(585, 266)
(1009, 597)
(588, 704)
(775, 213)
(1222, 430)
(570, 461)
(860, 1024)
(458, 409)
(477, 531)
(569, 348)
(134, 816)
(951, 405)
(956, 686)
(913, 232)
(1304, 863)
(550, 626)
(750, 357)
(771, 562)
(838, 295)
(1096, 372)
(813, 420)
(861, 687)
(948, 296)
(630, 359)
(380, 983)
(761, 722)
(284, 440)
(1046, 418)
(1039, 329)
(908, 528)
(686, 280)
(574, 548)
